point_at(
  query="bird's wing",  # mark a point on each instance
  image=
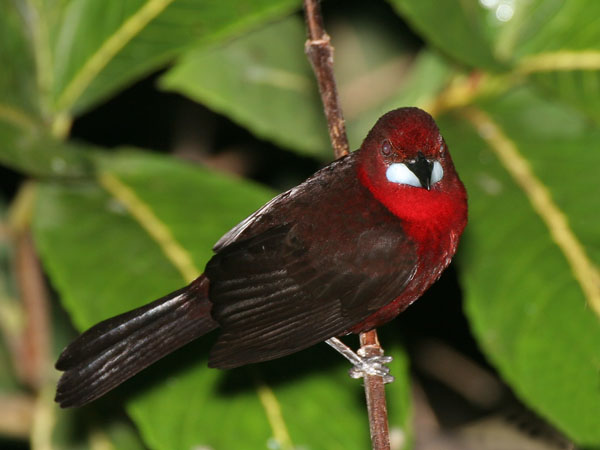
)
(261, 220)
(281, 291)
(232, 235)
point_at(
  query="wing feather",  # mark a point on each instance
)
(300, 302)
(308, 266)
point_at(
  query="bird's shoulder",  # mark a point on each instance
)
(338, 176)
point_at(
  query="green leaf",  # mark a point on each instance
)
(20, 125)
(558, 26)
(318, 408)
(72, 220)
(103, 45)
(555, 44)
(27, 148)
(563, 55)
(529, 298)
(579, 88)
(460, 29)
(263, 81)
(18, 87)
(488, 34)
(102, 255)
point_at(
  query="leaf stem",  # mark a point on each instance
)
(320, 54)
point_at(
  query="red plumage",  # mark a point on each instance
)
(345, 251)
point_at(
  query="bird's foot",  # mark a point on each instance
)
(372, 365)
(363, 365)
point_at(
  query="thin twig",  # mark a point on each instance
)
(34, 358)
(34, 341)
(320, 54)
(375, 393)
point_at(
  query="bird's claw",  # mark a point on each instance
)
(372, 365)
(363, 365)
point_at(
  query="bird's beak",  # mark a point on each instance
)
(422, 169)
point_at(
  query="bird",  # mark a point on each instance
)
(343, 252)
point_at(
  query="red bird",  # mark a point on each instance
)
(343, 252)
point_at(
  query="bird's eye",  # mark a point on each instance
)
(386, 148)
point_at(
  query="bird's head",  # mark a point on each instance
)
(405, 163)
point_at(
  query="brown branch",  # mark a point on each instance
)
(16, 415)
(320, 55)
(29, 336)
(34, 358)
(375, 393)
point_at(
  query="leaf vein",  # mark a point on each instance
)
(274, 416)
(583, 269)
(148, 220)
(560, 61)
(107, 51)
(16, 117)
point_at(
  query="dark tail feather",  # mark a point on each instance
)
(116, 349)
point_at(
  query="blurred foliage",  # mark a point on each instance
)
(515, 86)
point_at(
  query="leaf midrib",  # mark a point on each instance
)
(563, 60)
(540, 198)
(111, 46)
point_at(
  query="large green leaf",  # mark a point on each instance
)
(17, 78)
(558, 26)
(102, 45)
(104, 255)
(459, 29)
(577, 87)
(564, 55)
(528, 295)
(82, 219)
(233, 410)
(62, 56)
(488, 34)
(29, 149)
(25, 143)
(555, 43)
(19, 102)
(263, 81)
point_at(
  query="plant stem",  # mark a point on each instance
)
(375, 394)
(34, 337)
(320, 55)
